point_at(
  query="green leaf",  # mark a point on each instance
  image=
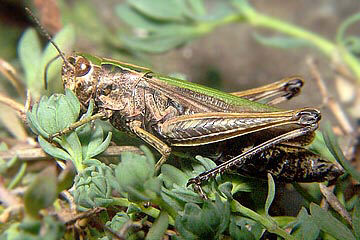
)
(182, 194)
(135, 176)
(31, 118)
(46, 113)
(74, 102)
(66, 177)
(192, 220)
(242, 184)
(100, 148)
(226, 188)
(117, 223)
(163, 10)
(52, 150)
(271, 193)
(42, 192)
(305, 227)
(319, 147)
(135, 19)
(149, 156)
(239, 233)
(281, 42)
(174, 175)
(64, 39)
(72, 145)
(356, 220)
(29, 51)
(64, 114)
(208, 222)
(206, 162)
(331, 143)
(330, 224)
(197, 6)
(173, 203)
(157, 43)
(159, 227)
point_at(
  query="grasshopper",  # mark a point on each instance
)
(169, 113)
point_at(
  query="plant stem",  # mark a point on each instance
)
(267, 222)
(151, 211)
(21, 172)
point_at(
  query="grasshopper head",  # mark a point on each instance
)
(80, 76)
(323, 170)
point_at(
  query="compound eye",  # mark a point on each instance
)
(82, 67)
(71, 60)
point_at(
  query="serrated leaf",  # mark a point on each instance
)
(174, 175)
(305, 227)
(42, 192)
(330, 224)
(281, 42)
(271, 193)
(159, 227)
(53, 151)
(163, 10)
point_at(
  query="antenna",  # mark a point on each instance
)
(47, 68)
(47, 35)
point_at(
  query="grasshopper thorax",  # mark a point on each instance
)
(80, 77)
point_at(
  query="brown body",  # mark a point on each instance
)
(170, 113)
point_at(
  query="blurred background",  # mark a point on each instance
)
(230, 45)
